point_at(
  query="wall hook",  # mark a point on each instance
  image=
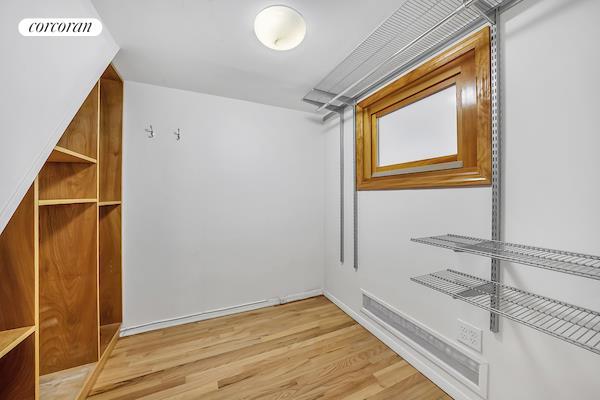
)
(177, 135)
(150, 132)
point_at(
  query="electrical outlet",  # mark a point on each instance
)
(469, 335)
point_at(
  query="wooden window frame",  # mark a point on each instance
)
(465, 65)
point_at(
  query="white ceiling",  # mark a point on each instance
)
(209, 46)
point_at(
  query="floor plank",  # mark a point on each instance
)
(304, 350)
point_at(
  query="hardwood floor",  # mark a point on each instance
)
(304, 350)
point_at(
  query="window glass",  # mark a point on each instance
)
(422, 130)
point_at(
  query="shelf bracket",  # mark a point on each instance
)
(489, 17)
(342, 99)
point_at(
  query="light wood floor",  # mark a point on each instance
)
(304, 350)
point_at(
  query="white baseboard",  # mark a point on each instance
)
(216, 313)
(405, 351)
(301, 296)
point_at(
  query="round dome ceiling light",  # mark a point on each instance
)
(280, 27)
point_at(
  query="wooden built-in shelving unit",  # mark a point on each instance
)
(60, 259)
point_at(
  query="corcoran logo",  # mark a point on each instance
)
(60, 27)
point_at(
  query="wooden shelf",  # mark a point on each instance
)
(10, 339)
(61, 202)
(67, 384)
(60, 154)
(109, 203)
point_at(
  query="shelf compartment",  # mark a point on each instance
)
(63, 202)
(10, 339)
(110, 153)
(62, 155)
(68, 181)
(81, 136)
(17, 266)
(68, 287)
(110, 265)
(576, 325)
(567, 262)
(17, 371)
(109, 203)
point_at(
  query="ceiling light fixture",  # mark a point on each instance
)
(280, 27)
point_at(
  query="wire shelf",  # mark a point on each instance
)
(570, 323)
(563, 261)
(414, 31)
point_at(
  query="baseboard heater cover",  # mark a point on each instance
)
(452, 359)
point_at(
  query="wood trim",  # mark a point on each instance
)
(467, 65)
(420, 163)
(109, 203)
(112, 74)
(98, 139)
(93, 376)
(63, 202)
(36, 268)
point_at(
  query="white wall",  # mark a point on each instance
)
(44, 80)
(233, 213)
(551, 191)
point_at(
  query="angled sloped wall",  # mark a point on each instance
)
(43, 81)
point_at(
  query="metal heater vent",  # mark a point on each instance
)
(454, 358)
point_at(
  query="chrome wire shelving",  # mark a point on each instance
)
(415, 31)
(576, 325)
(563, 261)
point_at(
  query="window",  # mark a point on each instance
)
(431, 127)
